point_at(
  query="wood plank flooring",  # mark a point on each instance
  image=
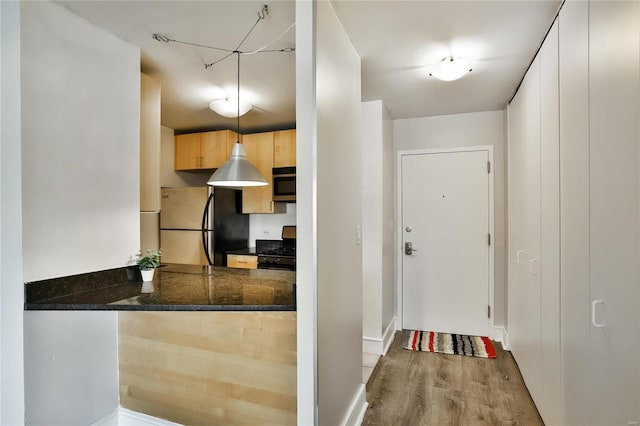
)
(420, 388)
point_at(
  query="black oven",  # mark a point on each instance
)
(277, 262)
(284, 184)
(278, 254)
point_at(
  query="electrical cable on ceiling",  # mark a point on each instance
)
(272, 42)
(261, 16)
(164, 39)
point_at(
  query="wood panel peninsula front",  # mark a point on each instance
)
(198, 345)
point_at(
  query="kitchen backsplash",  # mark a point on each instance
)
(269, 226)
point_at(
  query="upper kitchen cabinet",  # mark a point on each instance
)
(149, 143)
(216, 147)
(284, 143)
(209, 150)
(187, 152)
(260, 152)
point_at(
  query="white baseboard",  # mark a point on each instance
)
(372, 345)
(124, 417)
(501, 335)
(134, 418)
(110, 419)
(388, 335)
(358, 407)
(377, 345)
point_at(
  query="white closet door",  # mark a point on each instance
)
(549, 400)
(614, 191)
(524, 211)
(574, 209)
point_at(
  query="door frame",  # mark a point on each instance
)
(399, 233)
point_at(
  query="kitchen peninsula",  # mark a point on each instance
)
(174, 288)
(198, 345)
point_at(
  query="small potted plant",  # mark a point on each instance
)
(148, 263)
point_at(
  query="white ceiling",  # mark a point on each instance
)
(396, 40)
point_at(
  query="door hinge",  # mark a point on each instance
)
(489, 239)
(488, 311)
(488, 166)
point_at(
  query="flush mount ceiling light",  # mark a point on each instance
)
(228, 107)
(450, 68)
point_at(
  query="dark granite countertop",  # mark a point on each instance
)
(250, 251)
(174, 288)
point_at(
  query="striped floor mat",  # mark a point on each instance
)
(447, 343)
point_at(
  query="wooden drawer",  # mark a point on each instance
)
(242, 261)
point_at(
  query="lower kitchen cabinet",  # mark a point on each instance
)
(209, 368)
(242, 261)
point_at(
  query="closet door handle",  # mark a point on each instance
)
(593, 313)
(519, 257)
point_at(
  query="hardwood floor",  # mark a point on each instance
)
(420, 388)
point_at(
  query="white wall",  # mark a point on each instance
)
(269, 226)
(306, 216)
(388, 223)
(80, 171)
(11, 282)
(377, 224)
(478, 128)
(80, 145)
(71, 373)
(339, 211)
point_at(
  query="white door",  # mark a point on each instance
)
(445, 217)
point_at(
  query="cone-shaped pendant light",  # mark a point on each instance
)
(237, 171)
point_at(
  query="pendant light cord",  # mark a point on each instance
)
(238, 98)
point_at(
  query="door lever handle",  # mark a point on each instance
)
(408, 249)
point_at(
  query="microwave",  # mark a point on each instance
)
(284, 184)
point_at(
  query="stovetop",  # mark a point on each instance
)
(280, 248)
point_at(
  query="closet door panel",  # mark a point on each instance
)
(614, 231)
(549, 401)
(573, 68)
(524, 295)
(532, 240)
(516, 269)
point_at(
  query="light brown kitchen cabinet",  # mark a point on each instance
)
(187, 152)
(284, 145)
(207, 150)
(149, 144)
(216, 147)
(242, 261)
(259, 148)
